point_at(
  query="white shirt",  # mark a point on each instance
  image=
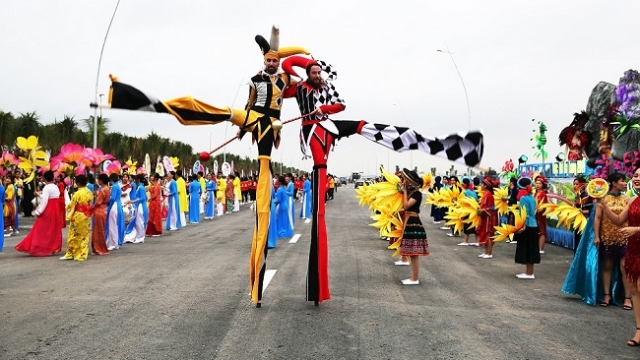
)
(50, 191)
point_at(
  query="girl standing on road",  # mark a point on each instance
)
(541, 198)
(631, 213)
(527, 250)
(488, 217)
(98, 239)
(154, 225)
(79, 215)
(414, 237)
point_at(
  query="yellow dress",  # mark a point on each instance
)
(222, 187)
(236, 188)
(182, 195)
(79, 213)
(609, 232)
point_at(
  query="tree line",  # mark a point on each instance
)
(52, 136)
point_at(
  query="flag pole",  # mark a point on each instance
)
(95, 105)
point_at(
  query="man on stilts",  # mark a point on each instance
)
(318, 99)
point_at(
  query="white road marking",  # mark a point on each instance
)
(295, 238)
(268, 275)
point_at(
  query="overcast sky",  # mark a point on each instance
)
(519, 60)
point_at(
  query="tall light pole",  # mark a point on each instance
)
(461, 80)
(95, 104)
(406, 121)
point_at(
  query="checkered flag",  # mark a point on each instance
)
(465, 149)
(332, 74)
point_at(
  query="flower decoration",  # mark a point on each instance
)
(114, 168)
(7, 161)
(34, 157)
(131, 166)
(175, 161)
(96, 156)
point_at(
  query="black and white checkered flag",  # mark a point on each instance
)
(332, 74)
(465, 149)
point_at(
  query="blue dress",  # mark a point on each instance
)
(114, 200)
(273, 228)
(195, 190)
(291, 191)
(584, 276)
(174, 206)
(282, 214)
(141, 199)
(209, 210)
(305, 209)
(133, 195)
(2, 198)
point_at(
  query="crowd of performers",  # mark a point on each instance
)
(128, 208)
(606, 265)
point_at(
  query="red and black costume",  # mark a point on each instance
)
(576, 137)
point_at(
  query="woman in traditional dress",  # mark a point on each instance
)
(141, 211)
(273, 227)
(468, 229)
(9, 207)
(209, 206)
(282, 214)
(154, 225)
(79, 215)
(436, 212)
(414, 237)
(527, 250)
(195, 191)
(305, 209)
(98, 239)
(174, 221)
(62, 204)
(488, 217)
(630, 214)
(45, 237)
(611, 244)
(291, 191)
(542, 185)
(115, 216)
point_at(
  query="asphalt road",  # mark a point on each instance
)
(185, 296)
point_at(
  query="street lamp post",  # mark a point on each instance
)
(95, 104)
(461, 80)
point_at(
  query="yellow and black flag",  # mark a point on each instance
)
(186, 109)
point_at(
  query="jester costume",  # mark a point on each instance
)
(260, 118)
(317, 99)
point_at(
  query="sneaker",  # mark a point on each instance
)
(526, 277)
(66, 258)
(437, 222)
(155, 235)
(474, 244)
(111, 248)
(485, 256)
(444, 228)
(401, 263)
(482, 255)
(541, 251)
(507, 241)
(513, 242)
(15, 232)
(463, 244)
(451, 235)
(410, 282)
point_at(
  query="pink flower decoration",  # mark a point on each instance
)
(114, 168)
(8, 160)
(67, 181)
(71, 154)
(96, 156)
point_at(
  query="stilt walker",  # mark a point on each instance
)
(261, 118)
(317, 98)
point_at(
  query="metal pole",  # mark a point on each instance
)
(461, 80)
(95, 98)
